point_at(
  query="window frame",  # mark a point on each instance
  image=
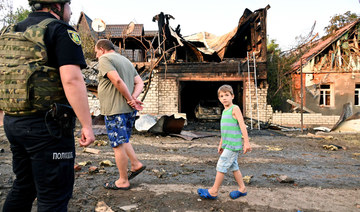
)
(357, 94)
(325, 96)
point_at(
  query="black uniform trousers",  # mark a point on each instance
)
(43, 164)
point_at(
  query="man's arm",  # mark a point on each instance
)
(76, 94)
(119, 84)
(139, 85)
(123, 89)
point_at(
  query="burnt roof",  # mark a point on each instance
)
(321, 45)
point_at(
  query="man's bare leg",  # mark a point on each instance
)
(135, 163)
(121, 161)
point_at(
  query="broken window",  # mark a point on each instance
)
(325, 95)
(357, 95)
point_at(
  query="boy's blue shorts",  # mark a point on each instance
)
(228, 161)
(119, 127)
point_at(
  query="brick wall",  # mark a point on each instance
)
(259, 106)
(151, 102)
(168, 96)
(309, 119)
(162, 97)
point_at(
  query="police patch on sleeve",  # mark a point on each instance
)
(74, 36)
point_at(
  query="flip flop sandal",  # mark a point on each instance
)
(135, 173)
(112, 186)
(204, 193)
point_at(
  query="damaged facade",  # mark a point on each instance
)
(189, 70)
(331, 72)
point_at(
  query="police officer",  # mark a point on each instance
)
(43, 154)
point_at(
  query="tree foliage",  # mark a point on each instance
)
(278, 65)
(8, 15)
(337, 21)
(88, 44)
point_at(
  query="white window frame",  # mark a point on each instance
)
(324, 93)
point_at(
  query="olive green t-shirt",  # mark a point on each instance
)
(112, 101)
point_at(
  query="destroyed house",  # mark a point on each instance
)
(184, 73)
(129, 39)
(330, 72)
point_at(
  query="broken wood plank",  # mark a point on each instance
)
(298, 106)
(91, 150)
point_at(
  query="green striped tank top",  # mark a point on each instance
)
(230, 131)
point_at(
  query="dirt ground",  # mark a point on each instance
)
(323, 180)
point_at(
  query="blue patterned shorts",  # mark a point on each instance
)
(119, 127)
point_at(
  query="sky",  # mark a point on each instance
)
(286, 19)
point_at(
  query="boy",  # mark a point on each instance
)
(233, 129)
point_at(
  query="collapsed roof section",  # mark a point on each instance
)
(340, 42)
(248, 36)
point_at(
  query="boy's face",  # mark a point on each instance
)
(226, 98)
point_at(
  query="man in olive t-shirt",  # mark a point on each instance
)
(118, 89)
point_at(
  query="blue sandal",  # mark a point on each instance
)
(204, 193)
(237, 194)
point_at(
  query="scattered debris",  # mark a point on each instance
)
(84, 163)
(93, 169)
(323, 129)
(346, 113)
(129, 207)
(292, 129)
(99, 129)
(274, 148)
(91, 150)
(209, 112)
(100, 143)
(351, 124)
(77, 167)
(348, 122)
(310, 135)
(188, 135)
(159, 173)
(106, 163)
(356, 154)
(161, 124)
(145, 122)
(247, 179)
(333, 147)
(285, 179)
(297, 106)
(102, 207)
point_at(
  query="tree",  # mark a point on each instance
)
(338, 21)
(88, 44)
(8, 15)
(278, 65)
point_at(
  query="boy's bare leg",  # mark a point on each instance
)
(214, 190)
(135, 163)
(121, 161)
(240, 181)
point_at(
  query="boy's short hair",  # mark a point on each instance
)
(226, 88)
